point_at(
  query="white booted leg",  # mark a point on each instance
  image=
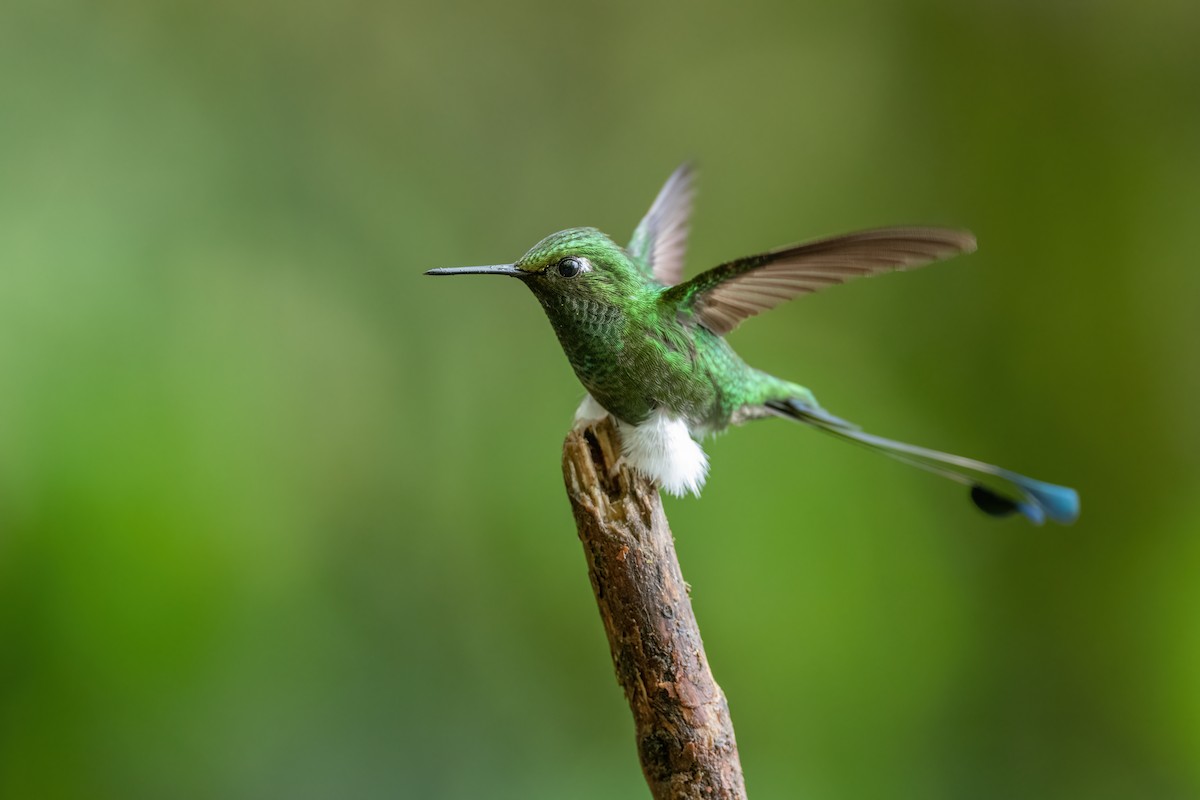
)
(663, 449)
(589, 411)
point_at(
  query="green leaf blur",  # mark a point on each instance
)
(281, 518)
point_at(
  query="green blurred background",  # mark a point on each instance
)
(281, 518)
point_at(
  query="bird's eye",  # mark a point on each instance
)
(570, 267)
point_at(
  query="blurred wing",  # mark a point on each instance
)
(660, 240)
(724, 296)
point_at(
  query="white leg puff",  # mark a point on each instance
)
(661, 448)
(589, 411)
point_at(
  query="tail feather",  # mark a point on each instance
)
(995, 491)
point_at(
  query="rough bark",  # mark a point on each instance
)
(684, 734)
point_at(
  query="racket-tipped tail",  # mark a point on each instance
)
(995, 491)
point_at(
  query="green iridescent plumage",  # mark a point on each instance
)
(650, 349)
(627, 344)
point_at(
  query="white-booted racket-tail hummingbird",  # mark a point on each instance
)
(650, 347)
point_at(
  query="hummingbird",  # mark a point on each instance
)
(650, 347)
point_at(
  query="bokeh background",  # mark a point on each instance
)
(281, 518)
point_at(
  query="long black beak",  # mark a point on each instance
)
(496, 269)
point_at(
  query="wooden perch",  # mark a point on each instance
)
(684, 735)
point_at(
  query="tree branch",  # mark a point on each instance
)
(684, 735)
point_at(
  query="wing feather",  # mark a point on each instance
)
(721, 298)
(660, 241)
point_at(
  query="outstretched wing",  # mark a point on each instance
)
(724, 296)
(660, 241)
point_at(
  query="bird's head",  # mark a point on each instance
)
(569, 267)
